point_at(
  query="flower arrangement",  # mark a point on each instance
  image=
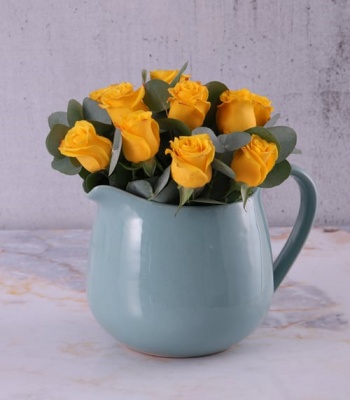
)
(173, 140)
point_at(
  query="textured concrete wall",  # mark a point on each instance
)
(295, 52)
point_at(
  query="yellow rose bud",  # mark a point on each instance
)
(140, 133)
(241, 110)
(262, 109)
(91, 150)
(253, 162)
(167, 75)
(97, 94)
(189, 103)
(119, 99)
(191, 160)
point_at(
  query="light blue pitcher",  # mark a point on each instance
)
(189, 284)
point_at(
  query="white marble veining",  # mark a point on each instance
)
(51, 348)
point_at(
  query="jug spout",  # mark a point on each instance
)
(97, 194)
(301, 228)
(103, 193)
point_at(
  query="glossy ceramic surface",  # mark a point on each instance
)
(189, 284)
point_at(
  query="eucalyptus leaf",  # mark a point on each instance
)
(54, 138)
(104, 130)
(74, 112)
(131, 167)
(198, 191)
(277, 175)
(205, 200)
(95, 179)
(120, 177)
(75, 162)
(93, 112)
(116, 148)
(234, 192)
(156, 96)
(223, 168)
(83, 173)
(235, 140)
(215, 89)
(178, 76)
(140, 188)
(162, 181)
(59, 117)
(296, 151)
(287, 139)
(219, 147)
(149, 166)
(169, 124)
(65, 166)
(169, 194)
(272, 121)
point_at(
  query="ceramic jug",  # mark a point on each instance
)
(190, 283)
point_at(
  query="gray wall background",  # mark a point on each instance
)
(295, 52)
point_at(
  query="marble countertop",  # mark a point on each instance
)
(51, 348)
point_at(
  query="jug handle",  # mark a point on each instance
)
(301, 228)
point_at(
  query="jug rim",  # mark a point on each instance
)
(94, 193)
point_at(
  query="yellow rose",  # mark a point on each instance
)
(241, 110)
(140, 133)
(189, 103)
(167, 75)
(119, 99)
(91, 150)
(253, 162)
(191, 160)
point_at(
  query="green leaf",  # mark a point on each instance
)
(219, 147)
(140, 188)
(287, 139)
(95, 179)
(162, 181)
(296, 151)
(169, 124)
(223, 168)
(93, 112)
(120, 177)
(54, 138)
(271, 122)
(59, 117)
(185, 194)
(235, 140)
(169, 194)
(245, 193)
(277, 175)
(131, 166)
(116, 148)
(149, 166)
(205, 200)
(65, 166)
(156, 96)
(265, 134)
(178, 76)
(215, 89)
(74, 112)
(104, 130)
(83, 173)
